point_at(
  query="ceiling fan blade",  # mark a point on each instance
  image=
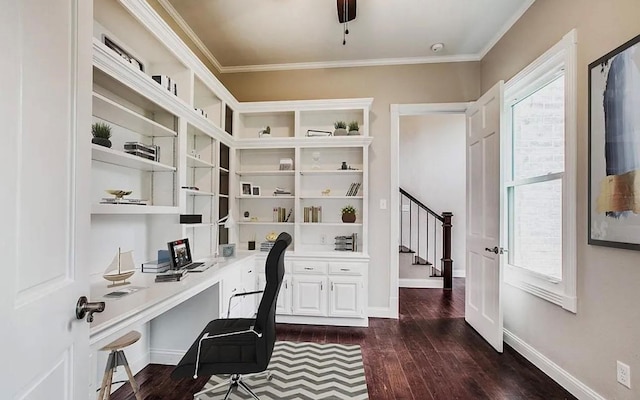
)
(346, 10)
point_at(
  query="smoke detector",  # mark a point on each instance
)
(436, 47)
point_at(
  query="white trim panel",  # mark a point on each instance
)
(420, 283)
(382, 312)
(553, 370)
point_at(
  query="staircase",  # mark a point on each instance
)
(427, 236)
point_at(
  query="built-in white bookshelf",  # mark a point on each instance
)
(326, 170)
(210, 147)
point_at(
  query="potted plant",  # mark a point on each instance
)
(265, 132)
(101, 133)
(348, 214)
(354, 128)
(341, 128)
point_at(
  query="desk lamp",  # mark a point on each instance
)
(228, 222)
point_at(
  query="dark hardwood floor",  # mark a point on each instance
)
(429, 353)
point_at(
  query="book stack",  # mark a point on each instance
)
(266, 246)
(347, 243)
(113, 200)
(353, 189)
(280, 214)
(312, 214)
(171, 276)
(150, 152)
(281, 192)
(156, 266)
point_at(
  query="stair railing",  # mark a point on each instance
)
(422, 235)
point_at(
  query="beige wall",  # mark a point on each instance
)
(607, 325)
(430, 83)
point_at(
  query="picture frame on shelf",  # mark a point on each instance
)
(614, 219)
(255, 190)
(245, 189)
(122, 53)
(228, 250)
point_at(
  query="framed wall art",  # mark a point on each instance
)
(614, 148)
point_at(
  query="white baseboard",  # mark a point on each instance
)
(166, 356)
(457, 273)
(553, 370)
(381, 312)
(421, 283)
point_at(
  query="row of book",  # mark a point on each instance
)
(280, 214)
(266, 246)
(353, 189)
(312, 214)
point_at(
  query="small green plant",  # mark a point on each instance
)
(353, 126)
(340, 125)
(101, 130)
(349, 209)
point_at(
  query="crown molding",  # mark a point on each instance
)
(351, 63)
(189, 32)
(505, 28)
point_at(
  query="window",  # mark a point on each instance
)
(539, 176)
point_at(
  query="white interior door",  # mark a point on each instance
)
(45, 109)
(483, 307)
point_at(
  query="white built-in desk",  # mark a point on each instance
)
(153, 299)
(168, 314)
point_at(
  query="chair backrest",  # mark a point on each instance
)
(274, 271)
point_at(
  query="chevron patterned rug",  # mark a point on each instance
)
(307, 371)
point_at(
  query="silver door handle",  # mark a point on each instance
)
(496, 250)
(85, 307)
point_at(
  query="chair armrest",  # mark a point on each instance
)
(207, 336)
(233, 296)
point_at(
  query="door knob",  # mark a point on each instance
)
(85, 307)
(496, 250)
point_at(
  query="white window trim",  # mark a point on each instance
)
(545, 67)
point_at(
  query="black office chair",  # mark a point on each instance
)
(239, 346)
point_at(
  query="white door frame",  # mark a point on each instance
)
(397, 111)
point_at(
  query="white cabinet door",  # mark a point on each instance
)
(309, 295)
(45, 109)
(283, 304)
(345, 296)
(231, 284)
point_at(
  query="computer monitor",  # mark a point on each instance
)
(180, 253)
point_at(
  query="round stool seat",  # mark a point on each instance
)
(123, 341)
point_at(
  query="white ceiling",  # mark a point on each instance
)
(254, 35)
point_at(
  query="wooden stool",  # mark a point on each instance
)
(116, 358)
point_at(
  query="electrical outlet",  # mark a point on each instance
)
(323, 239)
(624, 374)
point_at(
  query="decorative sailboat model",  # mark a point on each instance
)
(120, 269)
